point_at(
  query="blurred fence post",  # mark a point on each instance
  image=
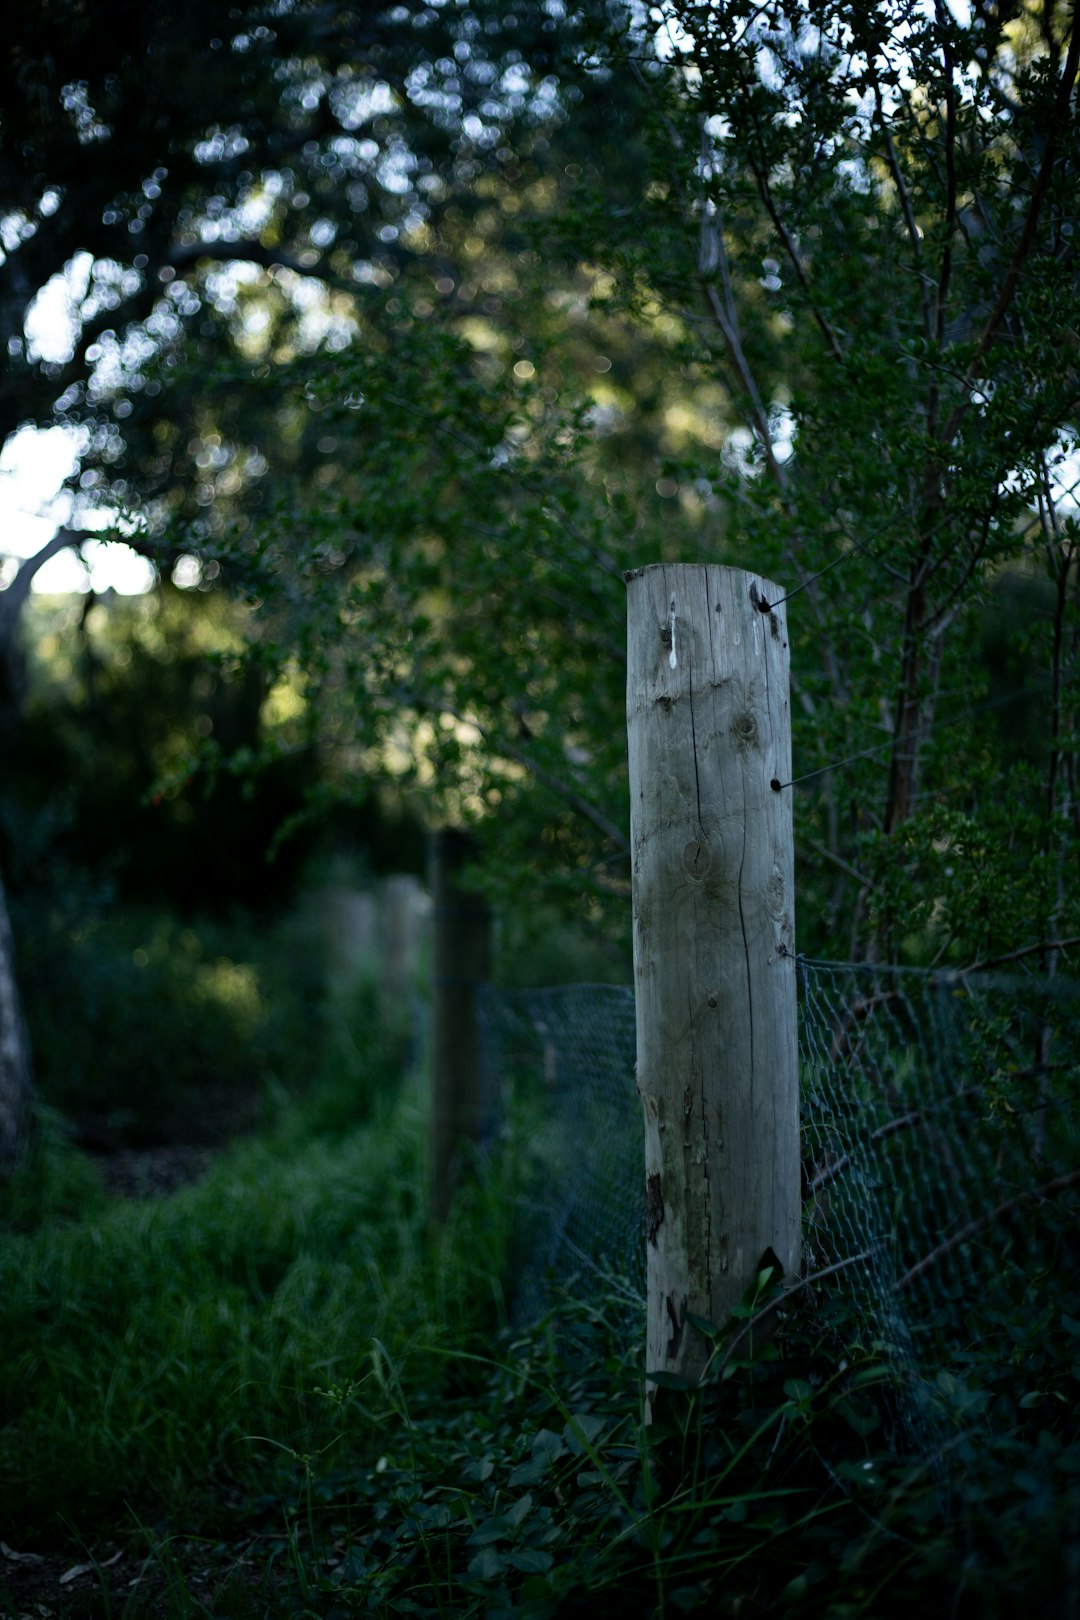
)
(401, 901)
(462, 963)
(15, 1081)
(350, 930)
(708, 726)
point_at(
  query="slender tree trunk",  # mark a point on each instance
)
(15, 1083)
(907, 727)
(708, 723)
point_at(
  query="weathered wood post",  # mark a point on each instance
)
(709, 737)
(462, 963)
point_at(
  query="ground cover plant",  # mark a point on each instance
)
(276, 1392)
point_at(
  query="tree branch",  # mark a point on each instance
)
(1045, 1190)
(13, 599)
(1016, 956)
(1027, 234)
(893, 164)
(730, 333)
(565, 792)
(950, 175)
(781, 1300)
(765, 193)
(838, 860)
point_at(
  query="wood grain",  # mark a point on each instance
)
(708, 725)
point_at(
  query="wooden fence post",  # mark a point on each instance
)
(709, 736)
(16, 1086)
(401, 897)
(462, 963)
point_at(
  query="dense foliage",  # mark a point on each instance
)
(428, 322)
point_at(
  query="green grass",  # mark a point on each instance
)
(294, 1399)
(149, 1346)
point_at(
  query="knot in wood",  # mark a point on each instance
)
(654, 1208)
(774, 894)
(745, 728)
(697, 860)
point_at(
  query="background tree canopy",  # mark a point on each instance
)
(414, 326)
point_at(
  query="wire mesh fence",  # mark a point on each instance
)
(567, 1058)
(940, 1144)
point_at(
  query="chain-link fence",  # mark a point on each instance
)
(940, 1132)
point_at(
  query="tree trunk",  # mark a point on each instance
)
(15, 1086)
(908, 722)
(708, 723)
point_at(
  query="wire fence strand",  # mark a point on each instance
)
(940, 1145)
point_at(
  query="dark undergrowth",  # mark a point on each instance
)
(277, 1393)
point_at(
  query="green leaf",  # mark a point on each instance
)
(548, 1445)
(582, 1431)
(770, 1269)
(797, 1389)
(547, 1448)
(489, 1531)
(872, 1375)
(859, 1414)
(488, 1565)
(520, 1508)
(530, 1560)
(667, 1380)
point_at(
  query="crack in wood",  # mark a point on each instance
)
(675, 1319)
(654, 1208)
(711, 899)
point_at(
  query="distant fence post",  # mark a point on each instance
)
(709, 736)
(16, 1086)
(351, 930)
(462, 963)
(401, 900)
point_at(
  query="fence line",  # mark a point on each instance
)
(940, 1138)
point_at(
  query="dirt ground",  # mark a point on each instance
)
(112, 1579)
(108, 1581)
(178, 1146)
